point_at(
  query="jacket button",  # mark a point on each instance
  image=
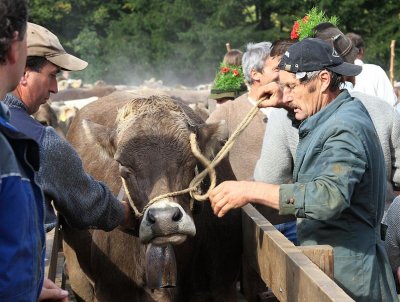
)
(287, 201)
(291, 200)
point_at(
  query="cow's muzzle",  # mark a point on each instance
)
(165, 222)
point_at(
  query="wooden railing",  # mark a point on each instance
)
(285, 269)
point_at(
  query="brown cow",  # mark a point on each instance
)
(81, 93)
(145, 140)
(48, 117)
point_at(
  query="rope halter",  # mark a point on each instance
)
(193, 188)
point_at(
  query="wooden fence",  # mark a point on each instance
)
(285, 269)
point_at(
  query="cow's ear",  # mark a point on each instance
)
(208, 138)
(101, 136)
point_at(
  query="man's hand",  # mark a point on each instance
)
(130, 223)
(236, 194)
(52, 292)
(272, 94)
(229, 195)
(127, 213)
(129, 217)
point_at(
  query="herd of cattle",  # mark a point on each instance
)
(178, 250)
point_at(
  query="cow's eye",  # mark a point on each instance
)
(124, 172)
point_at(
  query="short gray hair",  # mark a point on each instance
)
(254, 58)
(307, 77)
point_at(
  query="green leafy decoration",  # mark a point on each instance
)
(304, 28)
(229, 77)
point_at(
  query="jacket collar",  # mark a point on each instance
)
(13, 102)
(4, 112)
(310, 123)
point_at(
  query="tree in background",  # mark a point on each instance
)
(182, 41)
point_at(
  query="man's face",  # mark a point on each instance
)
(39, 85)
(270, 72)
(303, 99)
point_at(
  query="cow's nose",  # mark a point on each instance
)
(164, 215)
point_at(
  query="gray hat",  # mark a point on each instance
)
(342, 44)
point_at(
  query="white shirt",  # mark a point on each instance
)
(373, 81)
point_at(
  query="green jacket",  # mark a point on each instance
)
(339, 194)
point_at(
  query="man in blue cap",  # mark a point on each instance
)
(339, 185)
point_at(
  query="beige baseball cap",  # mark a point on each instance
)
(43, 43)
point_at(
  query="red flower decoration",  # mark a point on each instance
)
(295, 34)
(224, 69)
(235, 72)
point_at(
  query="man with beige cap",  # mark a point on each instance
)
(81, 200)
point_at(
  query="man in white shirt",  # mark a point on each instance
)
(372, 79)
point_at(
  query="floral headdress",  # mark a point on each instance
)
(229, 82)
(304, 28)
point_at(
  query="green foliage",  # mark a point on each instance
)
(229, 77)
(307, 24)
(182, 41)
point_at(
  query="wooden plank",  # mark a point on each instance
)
(320, 255)
(290, 274)
(54, 254)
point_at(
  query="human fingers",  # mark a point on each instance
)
(129, 217)
(219, 204)
(217, 190)
(272, 95)
(57, 294)
(216, 198)
(398, 274)
(225, 209)
(47, 283)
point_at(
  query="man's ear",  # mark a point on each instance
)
(326, 79)
(255, 75)
(23, 81)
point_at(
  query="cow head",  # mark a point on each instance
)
(47, 116)
(150, 142)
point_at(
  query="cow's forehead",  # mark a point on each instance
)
(166, 124)
(156, 106)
